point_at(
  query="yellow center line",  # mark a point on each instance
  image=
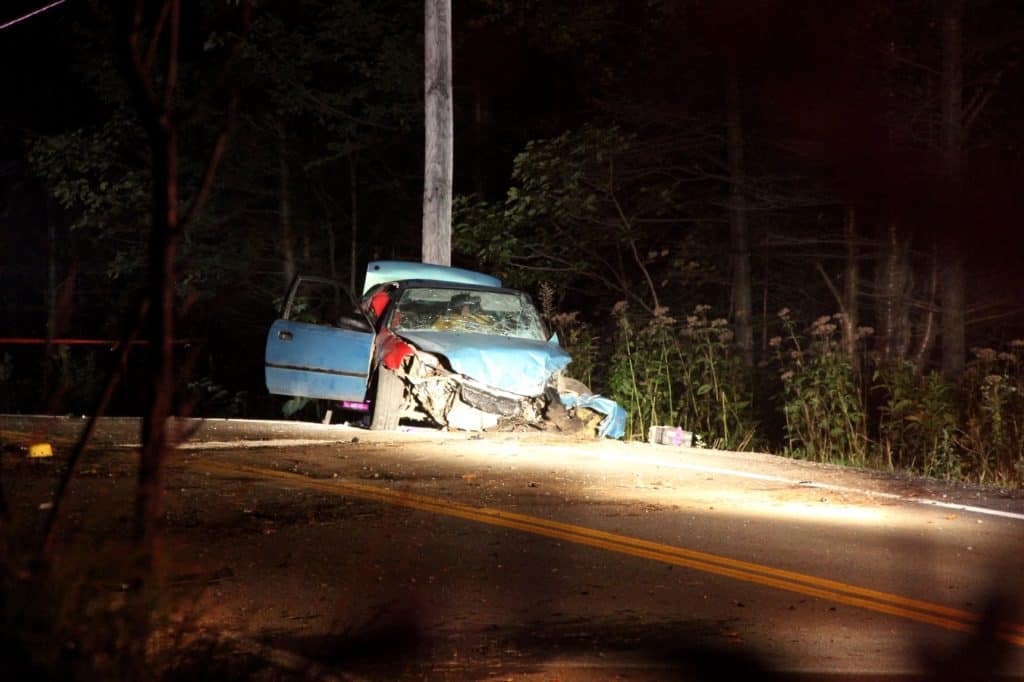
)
(823, 588)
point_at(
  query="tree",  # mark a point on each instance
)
(153, 56)
(739, 233)
(954, 346)
(597, 211)
(439, 157)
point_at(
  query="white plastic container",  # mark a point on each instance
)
(670, 435)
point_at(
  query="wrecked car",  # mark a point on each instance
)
(427, 343)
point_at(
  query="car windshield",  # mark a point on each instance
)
(500, 313)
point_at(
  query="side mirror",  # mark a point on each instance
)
(354, 323)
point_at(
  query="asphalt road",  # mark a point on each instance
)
(334, 551)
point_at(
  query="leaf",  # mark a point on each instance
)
(704, 389)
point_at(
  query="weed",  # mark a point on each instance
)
(992, 393)
(665, 372)
(917, 421)
(823, 407)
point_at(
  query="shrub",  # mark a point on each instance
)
(667, 373)
(575, 336)
(993, 403)
(917, 421)
(823, 407)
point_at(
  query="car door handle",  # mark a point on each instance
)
(284, 336)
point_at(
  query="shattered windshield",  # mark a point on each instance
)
(501, 313)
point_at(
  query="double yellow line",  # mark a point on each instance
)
(822, 588)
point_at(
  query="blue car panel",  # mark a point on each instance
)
(520, 366)
(316, 361)
(394, 271)
(614, 423)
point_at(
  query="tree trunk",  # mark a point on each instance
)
(927, 340)
(892, 284)
(954, 345)
(851, 285)
(738, 231)
(437, 180)
(162, 257)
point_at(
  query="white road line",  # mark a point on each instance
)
(810, 484)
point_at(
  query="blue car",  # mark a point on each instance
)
(426, 343)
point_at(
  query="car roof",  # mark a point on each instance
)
(384, 271)
(439, 284)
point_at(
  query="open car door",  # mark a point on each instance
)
(314, 350)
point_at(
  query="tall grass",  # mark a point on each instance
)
(671, 372)
(821, 401)
(834, 407)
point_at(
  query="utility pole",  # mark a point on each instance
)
(437, 177)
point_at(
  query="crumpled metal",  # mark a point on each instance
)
(614, 423)
(520, 366)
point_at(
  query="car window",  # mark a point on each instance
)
(318, 301)
(501, 313)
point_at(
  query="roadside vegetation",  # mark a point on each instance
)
(816, 385)
(813, 400)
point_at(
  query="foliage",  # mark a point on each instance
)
(99, 177)
(210, 398)
(589, 209)
(993, 398)
(971, 430)
(578, 338)
(667, 373)
(822, 405)
(370, 53)
(917, 421)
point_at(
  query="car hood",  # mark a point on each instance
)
(520, 366)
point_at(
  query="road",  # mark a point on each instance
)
(422, 554)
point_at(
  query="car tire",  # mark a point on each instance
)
(387, 401)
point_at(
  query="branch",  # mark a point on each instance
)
(206, 94)
(997, 316)
(142, 79)
(916, 65)
(982, 97)
(629, 231)
(831, 287)
(154, 41)
(171, 79)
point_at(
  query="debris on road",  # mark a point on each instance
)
(670, 435)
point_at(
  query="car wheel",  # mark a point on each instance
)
(387, 401)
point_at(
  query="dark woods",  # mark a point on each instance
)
(780, 225)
